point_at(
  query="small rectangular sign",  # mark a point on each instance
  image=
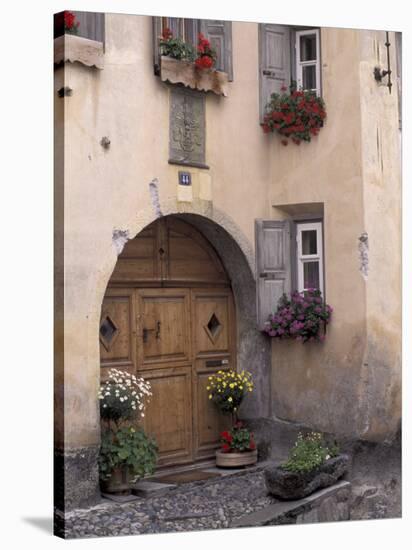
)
(185, 178)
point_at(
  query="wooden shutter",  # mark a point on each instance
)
(273, 265)
(157, 32)
(274, 61)
(91, 25)
(219, 33)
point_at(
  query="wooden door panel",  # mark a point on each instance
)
(139, 260)
(209, 421)
(212, 321)
(117, 330)
(163, 327)
(169, 414)
(213, 350)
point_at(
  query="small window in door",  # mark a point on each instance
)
(309, 256)
(308, 60)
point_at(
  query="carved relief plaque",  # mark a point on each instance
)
(187, 127)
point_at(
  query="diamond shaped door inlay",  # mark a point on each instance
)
(108, 332)
(213, 328)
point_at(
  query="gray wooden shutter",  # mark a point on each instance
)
(157, 32)
(91, 25)
(273, 266)
(219, 33)
(274, 61)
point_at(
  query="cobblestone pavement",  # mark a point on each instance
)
(211, 504)
(216, 503)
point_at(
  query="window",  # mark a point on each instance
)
(289, 256)
(309, 256)
(286, 54)
(307, 60)
(91, 25)
(218, 32)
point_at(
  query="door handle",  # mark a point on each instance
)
(147, 330)
(266, 72)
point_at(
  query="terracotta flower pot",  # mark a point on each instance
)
(119, 482)
(235, 460)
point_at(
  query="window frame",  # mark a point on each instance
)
(301, 258)
(300, 64)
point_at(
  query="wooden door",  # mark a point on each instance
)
(213, 350)
(168, 315)
(164, 359)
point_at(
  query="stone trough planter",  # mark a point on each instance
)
(287, 485)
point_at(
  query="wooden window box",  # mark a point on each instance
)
(177, 71)
(70, 47)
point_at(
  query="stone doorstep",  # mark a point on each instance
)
(151, 488)
(274, 512)
(147, 488)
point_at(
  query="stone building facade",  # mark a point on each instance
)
(128, 138)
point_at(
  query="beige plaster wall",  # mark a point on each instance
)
(109, 189)
(250, 175)
(350, 384)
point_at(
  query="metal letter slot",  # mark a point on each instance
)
(217, 362)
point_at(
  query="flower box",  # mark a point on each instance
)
(70, 47)
(177, 71)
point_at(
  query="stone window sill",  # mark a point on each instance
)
(177, 71)
(70, 47)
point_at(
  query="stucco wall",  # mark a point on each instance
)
(350, 384)
(107, 189)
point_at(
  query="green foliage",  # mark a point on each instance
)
(238, 439)
(177, 48)
(130, 447)
(309, 452)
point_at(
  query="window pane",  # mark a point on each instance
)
(309, 243)
(311, 275)
(308, 47)
(309, 77)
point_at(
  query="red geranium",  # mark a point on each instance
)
(70, 23)
(167, 34)
(238, 439)
(298, 115)
(206, 54)
(204, 62)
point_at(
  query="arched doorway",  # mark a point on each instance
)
(168, 315)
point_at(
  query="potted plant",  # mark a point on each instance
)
(297, 114)
(227, 390)
(312, 464)
(182, 63)
(303, 317)
(175, 47)
(238, 447)
(126, 452)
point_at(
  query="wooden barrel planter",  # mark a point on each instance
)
(236, 460)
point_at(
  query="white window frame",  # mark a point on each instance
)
(304, 258)
(300, 64)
